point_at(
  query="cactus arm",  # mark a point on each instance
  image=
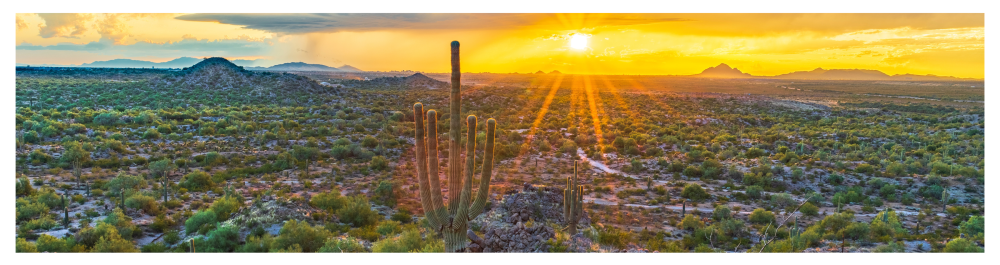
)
(482, 194)
(425, 197)
(437, 204)
(566, 203)
(454, 134)
(461, 216)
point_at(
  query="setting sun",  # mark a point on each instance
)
(578, 42)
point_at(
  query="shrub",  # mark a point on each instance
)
(255, 243)
(782, 200)
(808, 209)
(694, 192)
(721, 212)
(161, 223)
(342, 245)
(974, 227)
(198, 220)
(113, 242)
(367, 233)
(23, 246)
(408, 241)
(856, 231)
(761, 216)
(123, 224)
(47, 243)
(691, 223)
(225, 207)
(28, 210)
(197, 181)
(379, 163)
(402, 216)
(358, 212)
(143, 202)
(389, 228)
(962, 245)
(224, 239)
(330, 201)
(754, 192)
(308, 238)
(385, 193)
(157, 247)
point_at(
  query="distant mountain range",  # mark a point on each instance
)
(189, 61)
(724, 71)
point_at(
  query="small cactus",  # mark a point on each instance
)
(65, 211)
(649, 184)
(944, 200)
(572, 201)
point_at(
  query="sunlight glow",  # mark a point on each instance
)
(578, 42)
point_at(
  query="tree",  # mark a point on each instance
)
(694, 192)
(305, 153)
(161, 170)
(962, 245)
(74, 154)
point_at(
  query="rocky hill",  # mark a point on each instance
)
(219, 73)
(723, 71)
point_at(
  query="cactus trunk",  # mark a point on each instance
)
(463, 205)
(572, 201)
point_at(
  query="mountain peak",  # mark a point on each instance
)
(722, 71)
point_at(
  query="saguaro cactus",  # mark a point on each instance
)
(452, 222)
(65, 211)
(944, 200)
(572, 201)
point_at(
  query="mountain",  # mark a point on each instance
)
(348, 68)
(539, 72)
(723, 71)
(836, 74)
(555, 72)
(129, 63)
(300, 66)
(217, 73)
(421, 80)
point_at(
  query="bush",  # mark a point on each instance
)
(255, 243)
(342, 245)
(754, 192)
(224, 239)
(47, 243)
(962, 245)
(691, 223)
(974, 227)
(358, 212)
(808, 209)
(389, 228)
(113, 242)
(408, 241)
(385, 193)
(721, 212)
(23, 246)
(402, 216)
(761, 216)
(379, 163)
(28, 210)
(308, 238)
(157, 247)
(694, 192)
(330, 201)
(225, 207)
(197, 181)
(198, 220)
(161, 223)
(143, 202)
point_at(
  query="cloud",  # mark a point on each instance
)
(308, 23)
(186, 47)
(115, 27)
(63, 25)
(21, 24)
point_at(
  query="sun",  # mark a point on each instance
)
(578, 41)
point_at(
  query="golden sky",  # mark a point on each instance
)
(664, 44)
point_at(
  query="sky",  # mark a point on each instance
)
(648, 44)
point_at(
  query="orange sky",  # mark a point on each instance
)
(760, 44)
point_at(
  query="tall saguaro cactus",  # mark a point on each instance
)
(572, 201)
(452, 221)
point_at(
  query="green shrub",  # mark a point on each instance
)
(721, 212)
(47, 243)
(962, 245)
(23, 246)
(379, 163)
(694, 192)
(385, 193)
(28, 210)
(143, 202)
(402, 216)
(198, 220)
(367, 233)
(342, 245)
(974, 227)
(761, 216)
(408, 241)
(225, 207)
(224, 239)
(259, 244)
(808, 209)
(308, 238)
(389, 228)
(691, 223)
(358, 212)
(113, 242)
(197, 181)
(330, 201)
(156, 247)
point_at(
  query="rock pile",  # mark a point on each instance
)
(522, 221)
